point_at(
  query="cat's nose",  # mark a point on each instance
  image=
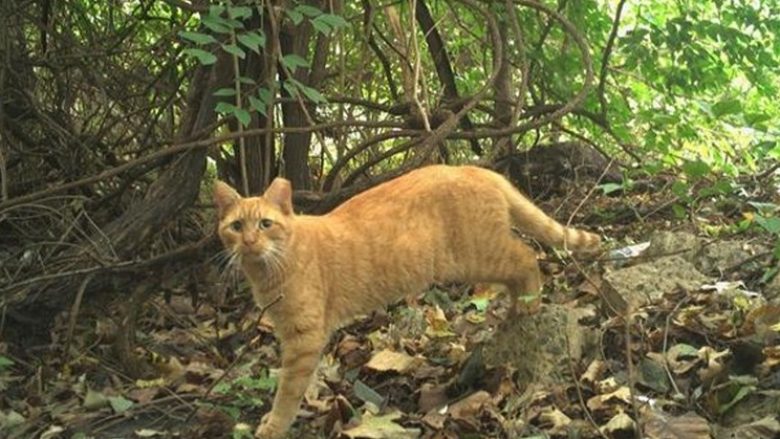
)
(249, 238)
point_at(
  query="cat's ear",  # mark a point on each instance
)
(224, 197)
(280, 194)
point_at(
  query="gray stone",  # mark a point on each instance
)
(630, 288)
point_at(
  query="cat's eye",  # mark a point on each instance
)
(266, 223)
(235, 226)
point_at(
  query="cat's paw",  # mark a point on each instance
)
(269, 430)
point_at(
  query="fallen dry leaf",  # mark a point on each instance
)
(594, 372)
(620, 424)
(382, 427)
(387, 360)
(555, 421)
(659, 425)
(764, 428)
(431, 397)
(602, 402)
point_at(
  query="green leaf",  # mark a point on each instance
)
(222, 388)
(197, 37)
(225, 108)
(679, 211)
(94, 400)
(740, 395)
(264, 94)
(321, 27)
(239, 12)
(234, 50)
(258, 105)
(770, 224)
(216, 10)
(295, 16)
(205, 58)
(334, 21)
(5, 362)
(313, 95)
(309, 11)
(293, 61)
(480, 303)
(246, 80)
(727, 106)
(243, 116)
(216, 24)
(756, 118)
(252, 41)
(119, 404)
(225, 92)
(696, 168)
(608, 188)
(292, 90)
(367, 394)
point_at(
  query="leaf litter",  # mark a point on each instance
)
(703, 350)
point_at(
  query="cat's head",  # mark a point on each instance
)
(254, 228)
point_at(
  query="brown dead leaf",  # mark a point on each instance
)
(659, 425)
(438, 325)
(468, 409)
(714, 361)
(606, 385)
(387, 360)
(432, 396)
(555, 421)
(144, 395)
(382, 427)
(594, 371)
(620, 424)
(760, 321)
(352, 352)
(602, 402)
(682, 358)
(771, 359)
(435, 419)
(765, 428)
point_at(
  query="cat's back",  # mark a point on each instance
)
(422, 188)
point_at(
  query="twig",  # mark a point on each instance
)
(123, 266)
(583, 405)
(666, 340)
(631, 373)
(74, 312)
(236, 360)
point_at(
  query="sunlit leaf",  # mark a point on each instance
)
(197, 37)
(293, 61)
(225, 92)
(234, 50)
(205, 58)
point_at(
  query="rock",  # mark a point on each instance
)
(772, 290)
(683, 244)
(537, 345)
(548, 170)
(642, 284)
(723, 255)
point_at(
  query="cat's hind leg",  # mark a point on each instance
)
(517, 268)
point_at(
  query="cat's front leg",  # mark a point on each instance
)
(300, 357)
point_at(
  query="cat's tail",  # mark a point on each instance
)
(533, 221)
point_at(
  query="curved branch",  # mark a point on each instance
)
(442, 63)
(605, 59)
(388, 71)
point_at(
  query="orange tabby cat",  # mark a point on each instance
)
(435, 224)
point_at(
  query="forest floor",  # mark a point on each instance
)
(696, 357)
